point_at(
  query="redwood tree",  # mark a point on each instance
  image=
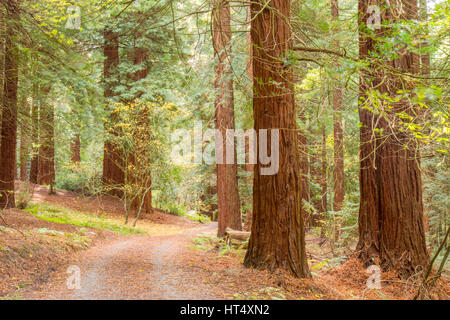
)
(46, 163)
(24, 140)
(34, 133)
(391, 230)
(75, 149)
(277, 237)
(139, 58)
(229, 212)
(9, 108)
(113, 176)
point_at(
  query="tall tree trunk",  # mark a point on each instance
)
(2, 56)
(24, 141)
(9, 113)
(46, 165)
(229, 212)
(304, 174)
(75, 149)
(278, 236)
(391, 231)
(113, 175)
(75, 143)
(249, 167)
(323, 208)
(139, 56)
(339, 189)
(34, 133)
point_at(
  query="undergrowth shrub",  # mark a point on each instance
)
(83, 177)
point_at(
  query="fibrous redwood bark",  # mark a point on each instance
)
(277, 237)
(139, 56)
(391, 230)
(9, 108)
(113, 176)
(229, 213)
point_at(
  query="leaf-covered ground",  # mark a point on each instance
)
(165, 257)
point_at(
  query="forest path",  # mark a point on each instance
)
(137, 267)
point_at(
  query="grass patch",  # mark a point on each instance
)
(213, 243)
(56, 214)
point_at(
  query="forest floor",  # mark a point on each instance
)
(166, 257)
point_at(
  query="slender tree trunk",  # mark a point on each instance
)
(277, 238)
(339, 189)
(24, 141)
(323, 208)
(9, 107)
(391, 231)
(113, 176)
(75, 148)
(249, 167)
(46, 165)
(304, 174)
(229, 213)
(35, 134)
(139, 55)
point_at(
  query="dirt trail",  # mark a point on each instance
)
(138, 267)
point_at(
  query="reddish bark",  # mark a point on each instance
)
(9, 109)
(277, 238)
(75, 148)
(391, 231)
(229, 212)
(113, 176)
(139, 56)
(24, 142)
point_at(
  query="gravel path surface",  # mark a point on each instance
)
(137, 267)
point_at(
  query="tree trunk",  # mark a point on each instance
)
(9, 113)
(75, 148)
(229, 212)
(277, 237)
(339, 188)
(24, 141)
(323, 208)
(304, 174)
(34, 134)
(113, 175)
(391, 231)
(2, 58)
(46, 165)
(139, 56)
